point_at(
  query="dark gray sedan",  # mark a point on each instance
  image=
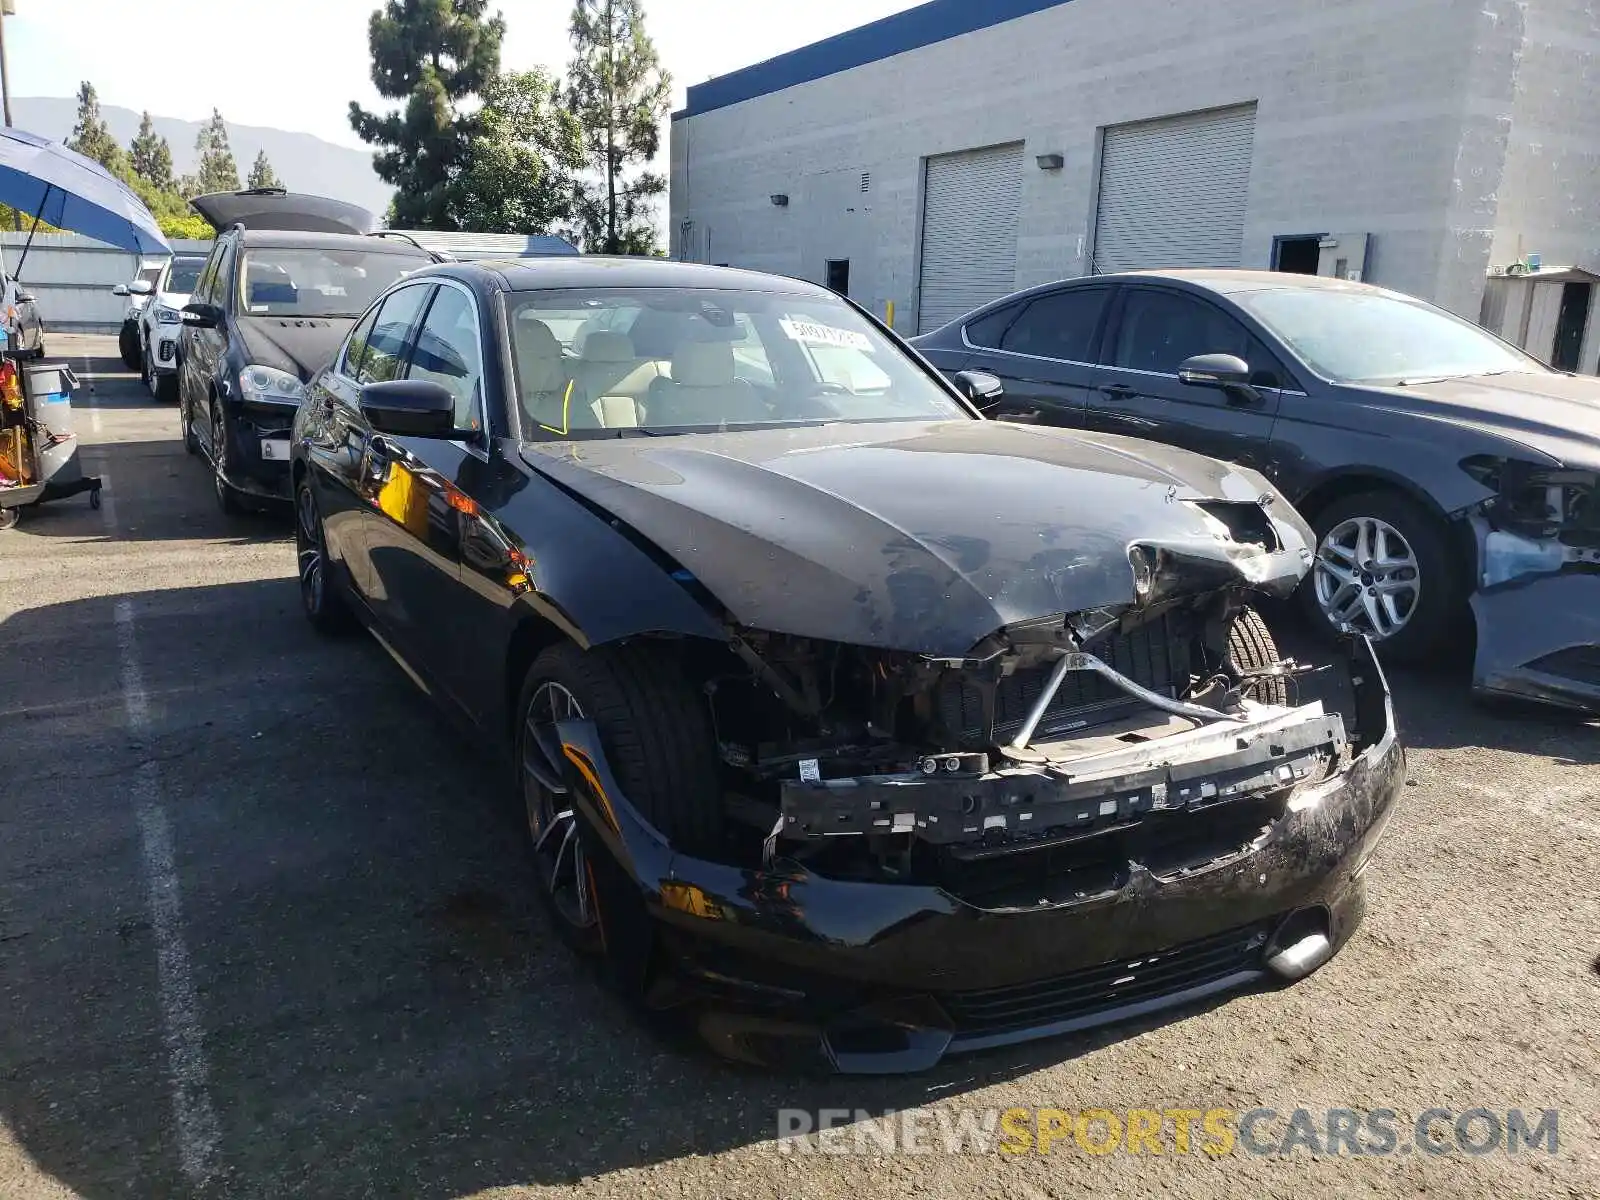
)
(1443, 470)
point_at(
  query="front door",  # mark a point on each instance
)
(1138, 393)
(1045, 357)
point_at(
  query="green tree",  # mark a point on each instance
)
(90, 136)
(520, 169)
(438, 57)
(150, 157)
(262, 175)
(217, 172)
(619, 93)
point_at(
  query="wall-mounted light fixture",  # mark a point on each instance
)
(780, 199)
(1051, 162)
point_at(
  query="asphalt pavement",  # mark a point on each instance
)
(266, 930)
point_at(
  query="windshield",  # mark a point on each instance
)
(315, 282)
(184, 273)
(1371, 337)
(683, 359)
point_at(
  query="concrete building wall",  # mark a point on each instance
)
(1387, 117)
(1549, 194)
(72, 276)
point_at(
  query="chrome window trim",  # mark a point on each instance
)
(479, 452)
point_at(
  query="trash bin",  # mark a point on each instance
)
(49, 387)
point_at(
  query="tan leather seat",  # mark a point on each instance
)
(703, 390)
(608, 367)
(542, 375)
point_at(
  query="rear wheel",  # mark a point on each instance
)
(659, 745)
(1384, 568)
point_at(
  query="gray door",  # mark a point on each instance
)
(969, 232)
(1173, 192)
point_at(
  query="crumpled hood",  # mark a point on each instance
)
(301, 346)
(924, 536)
(1558, 415)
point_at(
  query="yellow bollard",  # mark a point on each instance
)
(889, 316)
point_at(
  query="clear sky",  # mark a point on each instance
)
(297, 64)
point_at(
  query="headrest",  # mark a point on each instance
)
(702, 364)
(602, 345)
(538, 356)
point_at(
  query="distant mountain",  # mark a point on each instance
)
(304, 163)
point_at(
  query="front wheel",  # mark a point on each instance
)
(227, 496)
(166, 388)
(1383, 568)
(658, 742)
(324, 606)
(128, 346)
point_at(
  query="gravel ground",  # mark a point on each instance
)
(265, 930)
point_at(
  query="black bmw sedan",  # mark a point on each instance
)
(1442, 469)
(851, 727)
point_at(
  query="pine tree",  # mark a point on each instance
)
(262, 175)
(437, 57)
(522, 163)
(216, 172)
(619, 93)
(150, 157)
(90, 136)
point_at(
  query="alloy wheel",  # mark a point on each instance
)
(1367, 577)
(552, 821)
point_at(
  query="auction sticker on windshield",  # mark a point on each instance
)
(810, 332)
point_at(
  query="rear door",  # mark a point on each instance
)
(207, 347)
(1044, 354)
(1152, 331)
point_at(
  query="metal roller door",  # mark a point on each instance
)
(1173, 192)
(969, 232)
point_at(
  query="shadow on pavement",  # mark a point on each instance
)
(385, 1009)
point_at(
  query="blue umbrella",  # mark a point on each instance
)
(45, 180)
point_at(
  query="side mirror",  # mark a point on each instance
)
(120, 290)
(981, 388)
(25, 298)
(201, 315)
(140, 287)
(409, 408)
(1226, 372)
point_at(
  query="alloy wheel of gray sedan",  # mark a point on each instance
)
(552, 823)
(1367, 577)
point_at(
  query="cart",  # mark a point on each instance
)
(38, 446)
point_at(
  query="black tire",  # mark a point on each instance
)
(227, 497)
(659, 744)
(191, 443)
(1251, 646)
(167, 388)
(128, 345)
(321, 599)
(1435, 615)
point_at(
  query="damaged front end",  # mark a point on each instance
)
(1537, 599)
(1087, 817)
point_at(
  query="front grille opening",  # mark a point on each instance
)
(1108, 986)
(1159, 655)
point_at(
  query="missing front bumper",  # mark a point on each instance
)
(1539, 639)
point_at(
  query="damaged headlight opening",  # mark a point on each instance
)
(1542, 519)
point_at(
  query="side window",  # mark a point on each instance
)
(208, 273)
(987, 330)
(356, 348)
(386, 345)
(447, 353)
(221, 280)
(1160, 329)
(1060, 325)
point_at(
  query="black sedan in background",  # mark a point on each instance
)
(850, 726)
(1439, 466)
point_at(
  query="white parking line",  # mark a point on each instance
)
(198, 1130)
(94, 398)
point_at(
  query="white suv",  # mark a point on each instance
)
(160, 323)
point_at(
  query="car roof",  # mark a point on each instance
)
(601, 271)
(1226, 281)
(296, 239)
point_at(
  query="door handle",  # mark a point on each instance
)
(1118, 391)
